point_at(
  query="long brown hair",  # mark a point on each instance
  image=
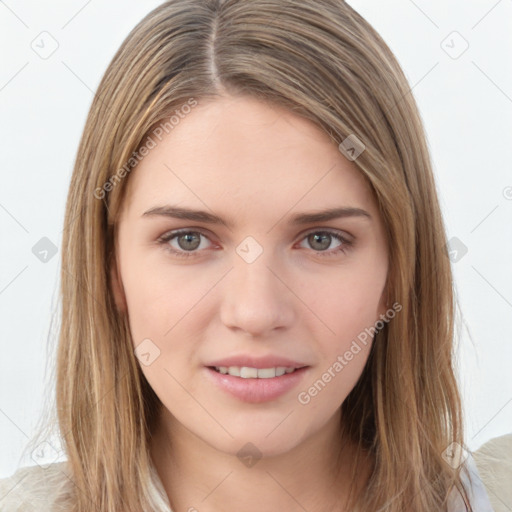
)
(323, 61)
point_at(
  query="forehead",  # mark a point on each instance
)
(238, 153)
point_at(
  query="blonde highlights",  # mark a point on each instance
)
(324, 62)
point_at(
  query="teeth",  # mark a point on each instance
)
(246, 372)
(266, 373)
(281, 370)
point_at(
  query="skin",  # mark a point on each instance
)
(255, 166)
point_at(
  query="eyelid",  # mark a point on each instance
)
(346, 239)
(319, 229)
(302, 234)
(175, 232)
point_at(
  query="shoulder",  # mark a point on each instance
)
(474, 487)
(494, 462)
(34, 488)
(49, 489)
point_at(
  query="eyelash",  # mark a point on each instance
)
(343, 248)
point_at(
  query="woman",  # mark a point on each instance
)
(256, 292)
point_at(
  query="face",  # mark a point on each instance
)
(255, 285)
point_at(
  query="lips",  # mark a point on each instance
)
(256, 390)
(246, 372)
(269, 361)
(256, 379)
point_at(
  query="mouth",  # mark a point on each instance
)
(247, 372)
(256, 385)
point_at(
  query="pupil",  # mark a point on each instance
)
(190, 243)
(317, 238)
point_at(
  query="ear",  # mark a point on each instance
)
(117, 287)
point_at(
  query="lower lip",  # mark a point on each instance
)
(256, 390)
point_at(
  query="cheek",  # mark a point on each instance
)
(348, 310)
(157, 294)
(347, 300)
(165, 316)
(163, 327)
(147, 309)
(347, 303)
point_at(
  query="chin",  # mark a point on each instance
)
(256, 442)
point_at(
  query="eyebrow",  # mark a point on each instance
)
(297, 219)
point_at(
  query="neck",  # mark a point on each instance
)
(314, 476)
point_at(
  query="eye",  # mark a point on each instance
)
(183, 243)
(187, 243)
(320, 241)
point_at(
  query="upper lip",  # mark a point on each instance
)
(257, 362)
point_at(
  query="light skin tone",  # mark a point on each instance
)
(306, 298)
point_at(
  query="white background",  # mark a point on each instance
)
(466, 105)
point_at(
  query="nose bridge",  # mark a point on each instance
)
(254, 300)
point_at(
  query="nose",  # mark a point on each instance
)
(255, 298)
